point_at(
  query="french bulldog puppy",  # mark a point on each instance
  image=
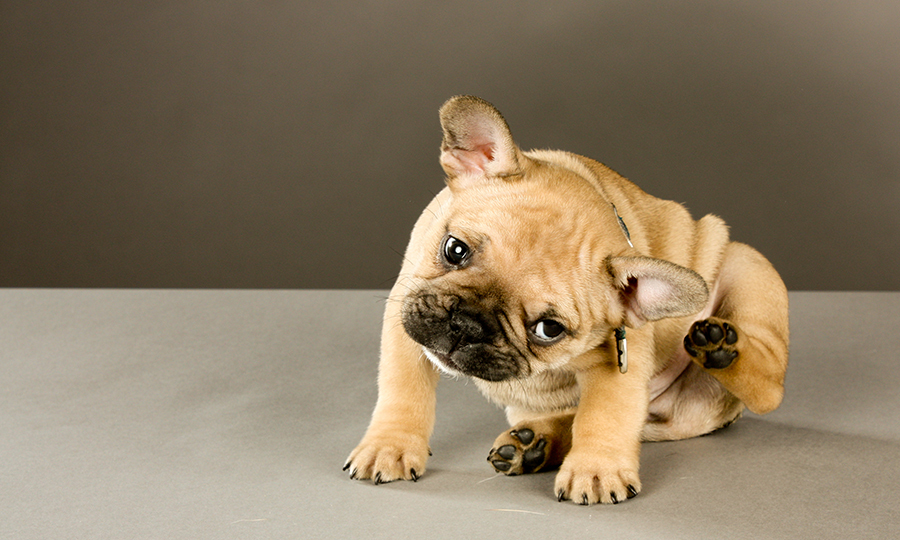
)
(597, 315)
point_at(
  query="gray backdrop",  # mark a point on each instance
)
(292, 144)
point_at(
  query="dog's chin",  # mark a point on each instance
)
(443, 362)
(448, 364)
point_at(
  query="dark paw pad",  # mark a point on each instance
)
(713, 342)
(523, 456)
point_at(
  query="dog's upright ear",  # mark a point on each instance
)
(652, 289)
(477, 142)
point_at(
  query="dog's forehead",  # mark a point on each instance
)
(525, 221)
(544, 248)
(515, 209)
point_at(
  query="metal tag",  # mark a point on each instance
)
(622, 349)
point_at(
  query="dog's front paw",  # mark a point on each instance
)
(385, 458)
(712, 343)
(520, 451)
(589, 479)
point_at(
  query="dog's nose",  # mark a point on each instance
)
(468, 326)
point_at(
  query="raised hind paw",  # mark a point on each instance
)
(713, 343)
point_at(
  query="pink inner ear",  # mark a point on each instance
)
(477, 144)
(480, 145)
(644, 298)
(653, 292)
(654, 289)
(486, 149)
(475, 159)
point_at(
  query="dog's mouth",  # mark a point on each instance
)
(443, 361)
(471, 361)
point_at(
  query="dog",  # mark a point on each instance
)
(597, 315)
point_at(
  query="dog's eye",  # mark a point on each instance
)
(548, 331)
(455, 251)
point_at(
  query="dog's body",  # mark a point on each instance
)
(523, 274)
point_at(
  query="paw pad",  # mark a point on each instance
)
(523, 456)
(712, 342)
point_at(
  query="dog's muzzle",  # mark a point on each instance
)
(460, 339)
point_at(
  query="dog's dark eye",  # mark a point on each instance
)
(548, 331)
(455, 251)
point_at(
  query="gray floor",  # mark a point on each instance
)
(228, 414)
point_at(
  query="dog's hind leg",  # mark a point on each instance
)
(744, 344)
(536, 442)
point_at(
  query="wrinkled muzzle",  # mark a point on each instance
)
(461, 337)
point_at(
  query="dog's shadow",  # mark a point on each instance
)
(767, 462)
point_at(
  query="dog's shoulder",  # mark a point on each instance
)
(660, 228)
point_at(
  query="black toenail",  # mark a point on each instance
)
(525, 436)
(631, 492)
(612, 496)
(584, 499)
(715, 333)
(560, 495)
(501, 465)
(507, 451)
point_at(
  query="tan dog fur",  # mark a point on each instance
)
(545, 244)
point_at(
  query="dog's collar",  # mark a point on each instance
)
(621, 344)
(624, 227)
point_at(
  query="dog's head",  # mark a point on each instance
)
(524, 266)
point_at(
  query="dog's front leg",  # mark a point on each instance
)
(395, 445)
(603, 464)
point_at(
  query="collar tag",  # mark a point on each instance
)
(622, 349)
(624, 228)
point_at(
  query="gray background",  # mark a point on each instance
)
(292, 144)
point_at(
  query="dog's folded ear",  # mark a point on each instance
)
(477, 142)
(652, 289)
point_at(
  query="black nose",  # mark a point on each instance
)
(469, 326)
(461, 326)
